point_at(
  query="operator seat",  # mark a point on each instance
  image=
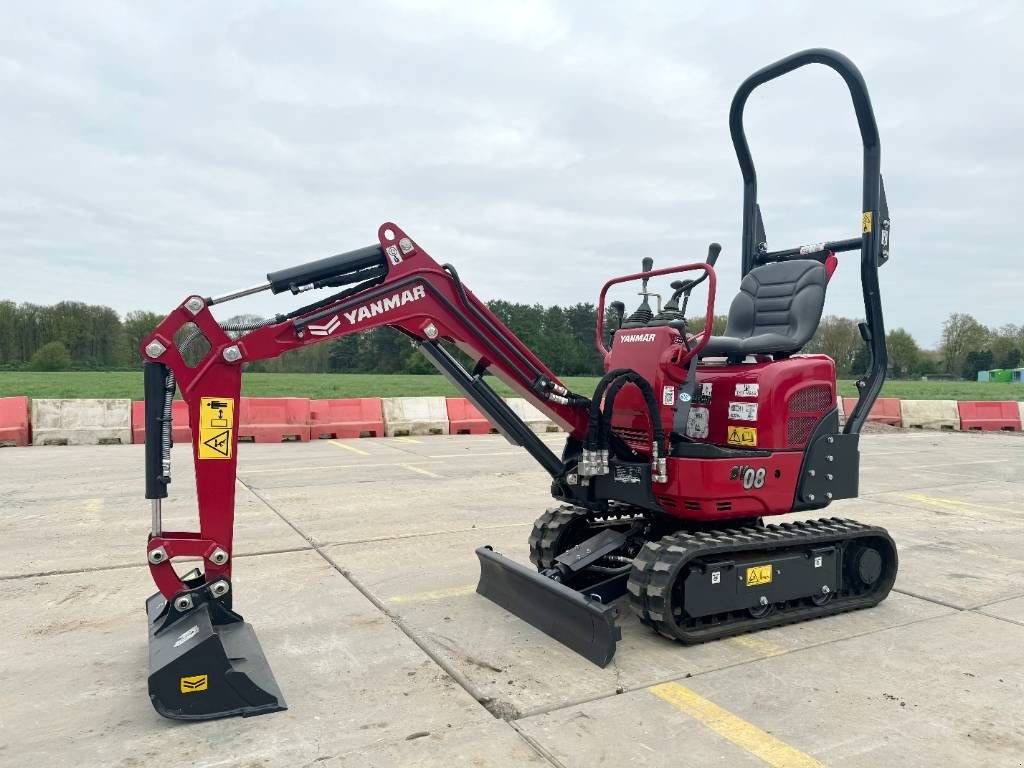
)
(775, 313)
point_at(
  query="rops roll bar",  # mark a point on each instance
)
(874, 240)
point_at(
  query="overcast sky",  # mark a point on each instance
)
(541, 147)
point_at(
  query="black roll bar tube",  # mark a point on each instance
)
(873, 330)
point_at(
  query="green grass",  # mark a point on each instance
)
(327, 385)
(315, 385)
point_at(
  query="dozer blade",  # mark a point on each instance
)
(584, 624)
(199, 670)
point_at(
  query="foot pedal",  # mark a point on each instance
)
(202, 670)
(583, 623)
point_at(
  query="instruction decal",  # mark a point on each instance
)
(758, 575)
(742, 411)
(745, 436)
(747, 390)
(866, 221)
(697, 423)
(195, 683)
(216, 424)
(668, 395)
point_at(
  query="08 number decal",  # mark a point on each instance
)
(751, 477)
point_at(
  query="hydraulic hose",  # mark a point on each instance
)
(593, 426)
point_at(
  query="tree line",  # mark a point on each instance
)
(77, 336)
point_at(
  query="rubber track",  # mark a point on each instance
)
(548, 530)
(649, 584)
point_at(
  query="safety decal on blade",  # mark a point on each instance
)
(216, 422)
(742, 411)
(758, 575)
(745, 436)
(194, 683)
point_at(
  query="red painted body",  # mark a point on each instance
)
(421, 298)
(425, 295)
(791, 397)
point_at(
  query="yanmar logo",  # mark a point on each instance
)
(637, 337)
(327, 328)
(394, 301)
(365, 312)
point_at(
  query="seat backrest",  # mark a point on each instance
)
(784, 299)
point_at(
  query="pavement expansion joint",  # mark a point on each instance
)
(395, 619)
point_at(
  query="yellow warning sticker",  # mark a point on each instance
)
(866, 222)
(746, 436)
(758, 575)
(194, 683)
(216, 423)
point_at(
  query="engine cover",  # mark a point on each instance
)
(772, 405)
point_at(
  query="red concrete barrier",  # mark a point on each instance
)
(181, 432)
(990, 416)
(465, 419)
(14, 426)
(273, 419)
(886, 410)
(353, 417)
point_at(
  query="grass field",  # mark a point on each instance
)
(326, 385)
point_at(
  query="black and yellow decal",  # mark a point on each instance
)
(758, 575)
(866, 222)
(746, 436)
(216, 422)
(194, 683)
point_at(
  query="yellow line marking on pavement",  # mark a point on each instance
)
(748, 736)
(964, 507)
(471, 454)
(434, 594)
(302, 468)
(758, 645)
(420, 470)
(405, 440)
(347, 447)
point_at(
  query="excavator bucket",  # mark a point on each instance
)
(577, 619)
(207, 663)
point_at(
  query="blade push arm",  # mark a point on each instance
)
(394, 283)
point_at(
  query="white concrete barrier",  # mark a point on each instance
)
(841, 410)
(1020, 407)
(930, 414)
(81, 422)
(415, 416)
(535, 419)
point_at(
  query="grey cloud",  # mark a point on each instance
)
(149, 153)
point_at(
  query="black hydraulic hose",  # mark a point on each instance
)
(565, 397)
(593, 425)
(487, 323)
(648, 393)
(332, 299)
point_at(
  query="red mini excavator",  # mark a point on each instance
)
(669, 468)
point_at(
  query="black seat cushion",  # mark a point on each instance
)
(776, 311)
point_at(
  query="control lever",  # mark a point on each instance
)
(643, 314)
(619, 309)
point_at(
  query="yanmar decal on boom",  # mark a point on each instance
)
(379, 307)
(365, 312)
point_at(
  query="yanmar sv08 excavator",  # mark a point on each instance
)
(669, 468)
